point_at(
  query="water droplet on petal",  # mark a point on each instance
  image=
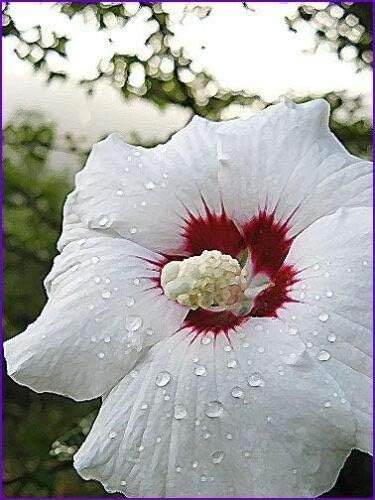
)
(200, 371)
(246, 454)
(329, 293)
(206, 340)
(214, 409)
(103, 221)
(331, 337)
(101, 355)
(97, 280)
(95, 260)
(227, 348)
(323, 317)
(149, 332)
(179, 412)
(217, 457)
(261, 350)
(327, 404)
(256, 380)
(323, 355)
(206, 435)
(133, 323)
(162, 379)
(229, 436)
(158, 440)
(120, 192)
(123, 483)
(106, 294)
(107, 339)
(149, 185)
(133, 230)
(136, 281)
(129, 301)
(232, 363)
(237, 392)
(316, 267)
(195, 464)
(112, 435)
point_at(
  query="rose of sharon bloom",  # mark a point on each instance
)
(215, 292)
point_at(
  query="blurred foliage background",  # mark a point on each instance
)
(42, 432)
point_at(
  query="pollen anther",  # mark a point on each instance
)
(211, 279)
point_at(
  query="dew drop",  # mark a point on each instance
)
(144, 406)
(323, 317)
(120, 192)
(93, 338)
(106, 294)
(123, 483)
(158, 439)
(149, 332)
(329, 293)
(95, 260)
(206, 340)
(112, 435)
(136, 281)
(133, 323)
(101, 355)
(178, 469)
(365, 263)
(245, 345)
(104, 221)
(261, 350)
(107, 339)
(137, 153)
(195, 464)
(331, 337)
(162, 379)
(179, 412)
(229, 436)
(200, 371)
(246, 454)
(133, 230)
(327, 404)
(97, 280)
(232, 363)
(237, 392)
(149, 185)
(316, 267)
(214, 409)
(323, 355)
(206, 435)
(309, 344)
(129, 301)
(256, 380)
(107, 281)
(227, 348)
(217, 457)
(317, 297)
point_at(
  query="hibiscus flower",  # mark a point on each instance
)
(214, 291)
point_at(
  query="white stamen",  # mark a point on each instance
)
(211, 279)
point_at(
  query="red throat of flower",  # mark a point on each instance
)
(268, 244)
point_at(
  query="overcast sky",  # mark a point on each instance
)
(283, 64)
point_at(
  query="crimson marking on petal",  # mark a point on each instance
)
(268, 302)
(211, 231)
(202, 321)
(268, 242)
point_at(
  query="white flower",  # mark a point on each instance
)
(263, 395)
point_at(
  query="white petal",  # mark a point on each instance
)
(206, 431)
(334, 313)
(103, 312)
(144, 194)
(289, 161)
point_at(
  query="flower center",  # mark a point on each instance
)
(213, 281)
(209, 280)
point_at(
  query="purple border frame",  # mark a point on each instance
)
(1, 256)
